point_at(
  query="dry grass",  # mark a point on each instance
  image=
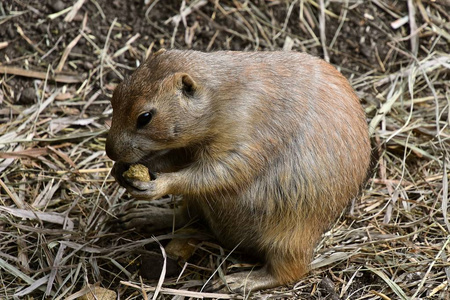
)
(58, 203)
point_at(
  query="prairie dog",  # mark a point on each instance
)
(267, 147)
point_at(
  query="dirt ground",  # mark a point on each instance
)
(60, 62)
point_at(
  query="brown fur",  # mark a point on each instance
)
(268, 147)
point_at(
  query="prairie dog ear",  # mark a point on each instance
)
(186, 84)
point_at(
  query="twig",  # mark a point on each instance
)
(104, 52)
(413, 27)
(74, 11)
(341, 24)
(179, 292)
(422, 282)
(30, 42)
(323, 37)
(58, 77)
(19, 203)
(71, 45)
(3, 45)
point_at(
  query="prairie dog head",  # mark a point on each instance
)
(159, 107)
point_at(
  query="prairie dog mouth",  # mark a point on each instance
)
(145, 160)
(148, 157)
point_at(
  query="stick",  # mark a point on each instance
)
(58, 77)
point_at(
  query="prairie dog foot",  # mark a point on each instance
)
(152, 218)
(244, 282)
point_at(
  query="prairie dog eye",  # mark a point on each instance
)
(144, 118)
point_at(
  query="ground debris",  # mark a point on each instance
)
(59, 64)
